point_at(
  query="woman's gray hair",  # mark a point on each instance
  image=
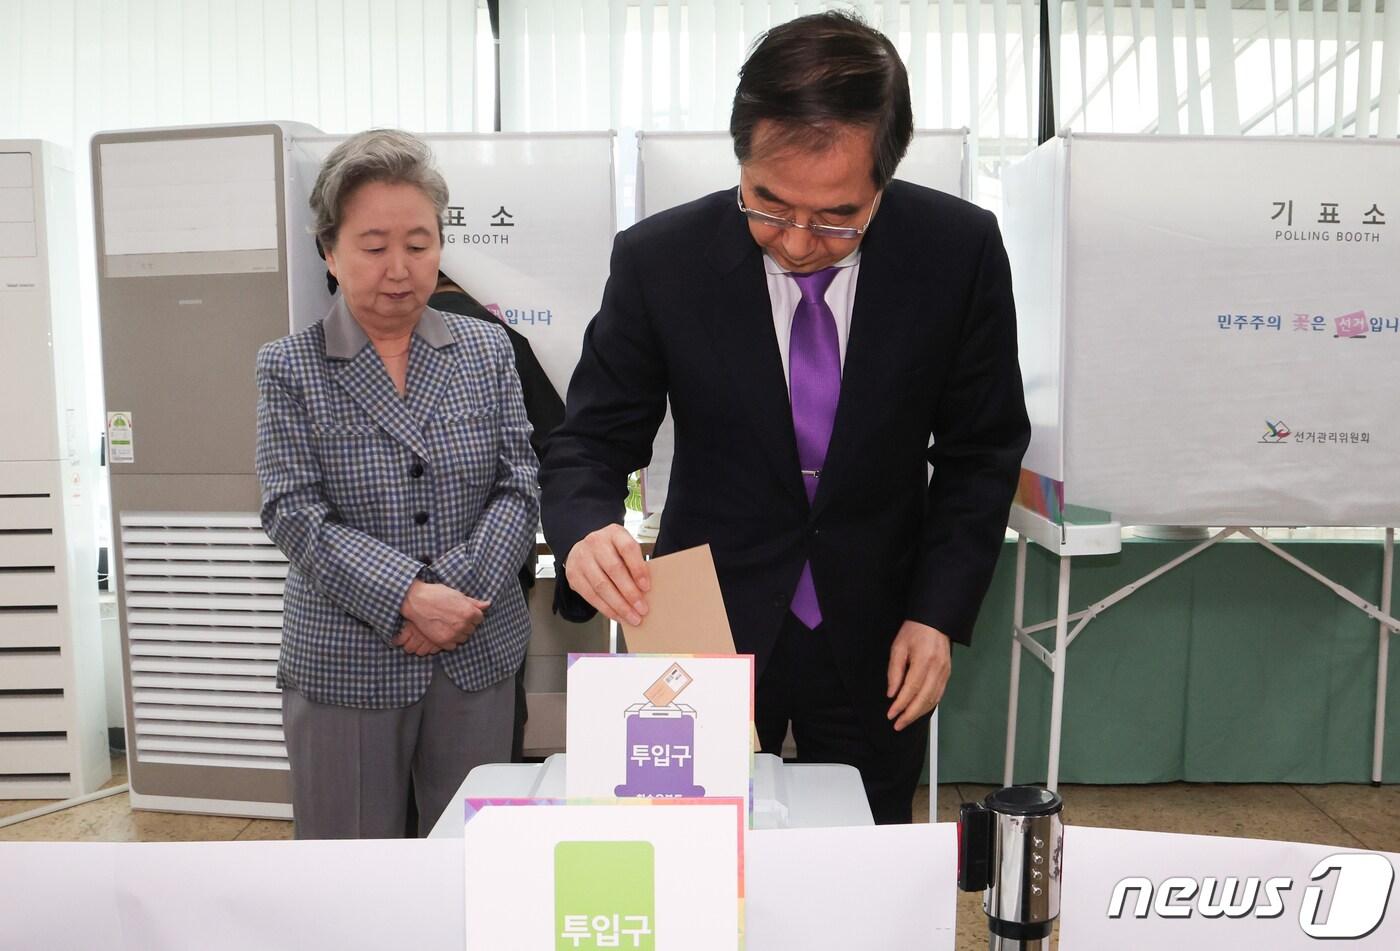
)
(378, 155)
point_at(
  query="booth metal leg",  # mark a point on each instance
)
(1057, 700)
(1018, 618)
(1383, 655)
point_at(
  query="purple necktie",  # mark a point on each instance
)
(814, 374)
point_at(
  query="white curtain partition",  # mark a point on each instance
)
(1198, 66)
(672, 65)
(70, 68)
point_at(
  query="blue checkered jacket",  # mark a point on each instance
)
(365, 491)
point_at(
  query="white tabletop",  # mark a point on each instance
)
(815, 889)
(786, 795)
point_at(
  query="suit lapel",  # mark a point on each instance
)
(429, 372)
(741, 323)
(357, 368)
(868, 351)
(367, 381)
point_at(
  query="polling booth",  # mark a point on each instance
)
(205, 253)
(1208, 330)
(53, 723)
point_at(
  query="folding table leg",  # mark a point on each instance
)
(1057, 701)
(1383, 656)
(1018, 612)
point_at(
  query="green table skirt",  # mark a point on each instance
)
(1234, 667)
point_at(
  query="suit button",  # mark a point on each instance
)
(417, 470)
(421, 518)
(779, 601)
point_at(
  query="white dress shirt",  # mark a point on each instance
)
(784, 295)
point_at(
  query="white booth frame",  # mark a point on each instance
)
(1069, 541)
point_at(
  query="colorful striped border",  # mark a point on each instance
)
(1041, 494)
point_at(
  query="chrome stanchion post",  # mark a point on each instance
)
(1010, 848)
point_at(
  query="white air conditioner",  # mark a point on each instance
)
(204, 254)
(53, 723)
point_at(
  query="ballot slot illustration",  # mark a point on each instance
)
(660, 741)
(604, 895)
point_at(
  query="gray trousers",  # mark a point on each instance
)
(351, 768)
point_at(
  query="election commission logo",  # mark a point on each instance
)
(1279, 433)
(1349, 900)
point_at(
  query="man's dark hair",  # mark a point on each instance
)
(817, 73)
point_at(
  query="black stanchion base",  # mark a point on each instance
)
(1019, 936)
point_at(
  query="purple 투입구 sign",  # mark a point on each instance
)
(660, 752)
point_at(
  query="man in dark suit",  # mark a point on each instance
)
(823, 334)
(545, 410)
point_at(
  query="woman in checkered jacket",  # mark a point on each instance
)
(398, 479)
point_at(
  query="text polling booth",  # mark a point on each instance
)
(203, 255)
(53, 725)
(1208, 329)
(527, 232)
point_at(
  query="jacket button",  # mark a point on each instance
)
(417, 470)
(779, 601)
(421, 518)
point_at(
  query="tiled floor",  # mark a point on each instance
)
(1357, 816)
(113, 820)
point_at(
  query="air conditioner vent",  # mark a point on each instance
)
(203, 600)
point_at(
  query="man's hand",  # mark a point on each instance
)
(442, 615)
(607, 570)
(413, 642)
(920, 662)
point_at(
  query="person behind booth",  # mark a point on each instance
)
(823, 332)
(398, 479)
(545, 410)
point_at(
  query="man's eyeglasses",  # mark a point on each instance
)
(819, 230)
